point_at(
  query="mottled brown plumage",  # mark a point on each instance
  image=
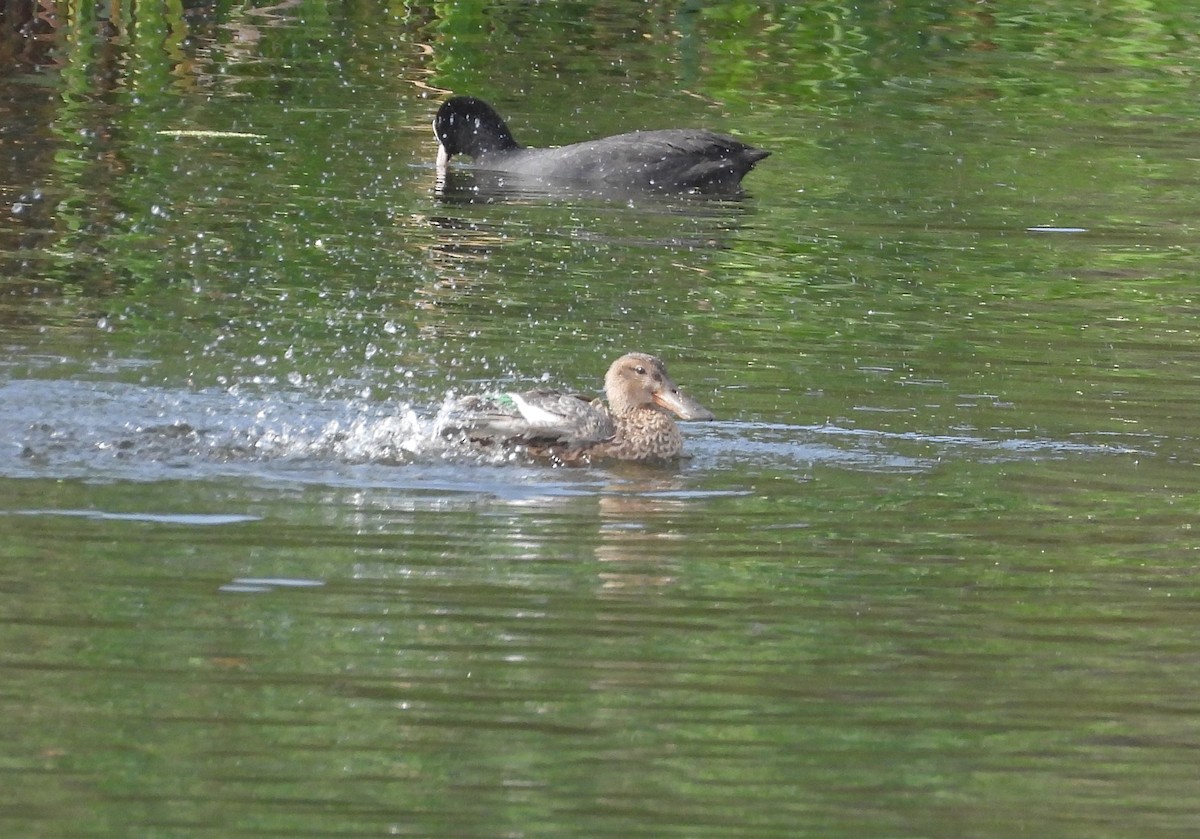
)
(635, 425)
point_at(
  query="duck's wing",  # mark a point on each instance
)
(535, 416)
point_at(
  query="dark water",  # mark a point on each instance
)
(931, 573)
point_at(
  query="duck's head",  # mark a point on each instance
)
(470, 126)
(638, 380)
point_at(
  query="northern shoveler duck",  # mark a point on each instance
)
(670, 160)
(570, 428)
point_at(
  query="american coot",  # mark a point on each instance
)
(569, 428)
(669, 160)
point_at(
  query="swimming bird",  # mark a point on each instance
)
(570, 428)
(668, 160)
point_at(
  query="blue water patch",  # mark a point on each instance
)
(187, 519)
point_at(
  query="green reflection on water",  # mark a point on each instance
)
(603, 664)
(974, 618)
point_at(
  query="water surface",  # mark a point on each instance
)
(929, 574)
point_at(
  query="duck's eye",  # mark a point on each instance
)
(641, 371)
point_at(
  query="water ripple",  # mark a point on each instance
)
(111, 430)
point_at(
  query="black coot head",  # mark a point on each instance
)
(470, 126)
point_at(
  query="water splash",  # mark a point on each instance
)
(114, 431)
